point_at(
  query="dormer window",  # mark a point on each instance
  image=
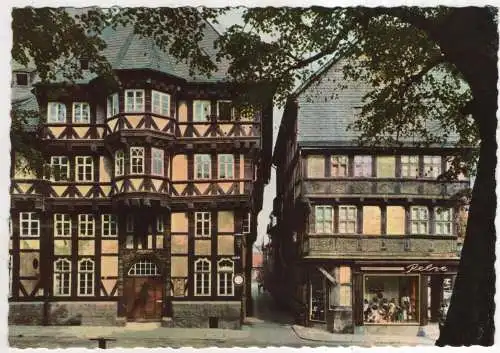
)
(134, 100)
(22, 79)
(56, 112)
(81, 113)
(112, 105)
(225, 111)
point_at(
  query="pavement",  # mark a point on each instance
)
(269, 327)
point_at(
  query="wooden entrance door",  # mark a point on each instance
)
(144, 298)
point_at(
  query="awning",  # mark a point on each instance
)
(327, 275)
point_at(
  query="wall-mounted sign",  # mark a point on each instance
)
(238, 280)
(418, 268)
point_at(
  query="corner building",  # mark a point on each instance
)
(146, 209)
(362, 238)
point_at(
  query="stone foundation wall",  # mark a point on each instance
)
(197, 314)
(340, 320)
(64, 313)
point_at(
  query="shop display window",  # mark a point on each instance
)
(317, 297)
(390, 299)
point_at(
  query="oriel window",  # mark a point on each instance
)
(56, 112)
(157, 161)
(202, 166)
(201, 110)
(409, 166)
(119, 163)
(340, 166)
(112, 105)
(136, 160)
(84, 168)
(419, 222)
(432, 166)
(134, 100)
(81, 113)
(160, 103)
(443, 221)
(347, 219)
(226, 166)
(324, 219)
(59, 168)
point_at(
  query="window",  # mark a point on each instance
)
(81, 113)
(136, 160)
(144, 268)
(347, 219)
(345, 286)
(86, 225)
(202, 277)
(225, 274)
(157, 159)
(56, 112)
(225, 110)
(109, 227)
(119, 163)
(21, 79)
(419, 220)
(134, 100)
(324, 219)
(84, 168)
(62, 225)
(246, 223)
(409, 166)
(202, 224)
(362, 166)
(85, 277)
(202, 166)
(29, 224)
(443, 221)
(226, 166)
(386, 166)
(62, 277)
(316, 166)
(340, 166)
(201, 110)
(129, 227)
(160, 228)
(59, 168)
(390, 299)
(161, 103)
(112, 105)
(432, 166)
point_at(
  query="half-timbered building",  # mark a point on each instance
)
(361, 238)
(146, 209)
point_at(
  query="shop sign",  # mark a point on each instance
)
(418, 268)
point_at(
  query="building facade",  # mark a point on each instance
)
(361, 238)
(146, 207)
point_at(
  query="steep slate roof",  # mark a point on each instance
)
(126, 50)
(325, 110)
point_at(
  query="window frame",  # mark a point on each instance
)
(16, 78)
(205, 231)
(87, 276)
(119, 163)
(439, 210)
(65, 223)
(56, 106)
(205, 290)
(155, 160)
(161, 96)
(135, 107)
(33, 218)
(347, 221)
(86, 225)
(112, 105)
(410, 161)
(225, 163)
(203, 166)
(53, 165)
(134, 159)
(196, 119)
(81, 106)
(82, 162)
(339, 161)
(62, 275)
(225, 285)
(160, 224)
(419, 221)
(232, 116)
(321, 160)
(429, 171)
(130, 223)
(248, 220)
(362, 171)
(109, 225)
(324, 219)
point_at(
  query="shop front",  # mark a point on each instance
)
(370, 295)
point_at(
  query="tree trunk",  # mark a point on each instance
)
(470, 319)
